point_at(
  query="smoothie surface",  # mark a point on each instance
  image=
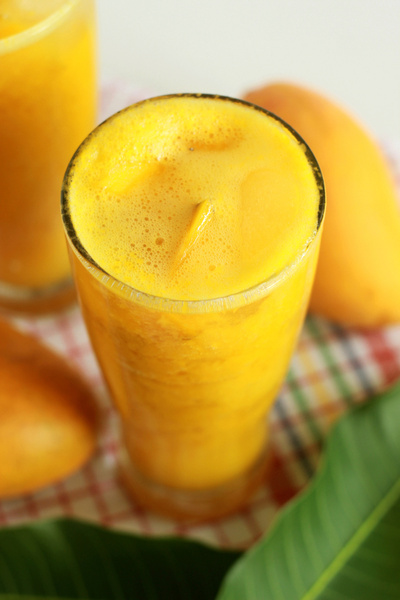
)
(193, 198)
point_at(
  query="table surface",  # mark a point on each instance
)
(332, 369)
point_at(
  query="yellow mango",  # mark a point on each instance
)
(49, 418)
(357, 281)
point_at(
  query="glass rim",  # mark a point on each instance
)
(33, 33)
(235, 299)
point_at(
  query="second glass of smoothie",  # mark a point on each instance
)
(48, 101)
(193, 224)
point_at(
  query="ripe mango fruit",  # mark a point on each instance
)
(49, 417)
(357, 281)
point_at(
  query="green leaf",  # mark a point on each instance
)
(340, 539)
(70, 559)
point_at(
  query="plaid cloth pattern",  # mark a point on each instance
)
(332, 369)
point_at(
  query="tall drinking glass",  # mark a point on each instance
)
(193, 225)
(47, 107)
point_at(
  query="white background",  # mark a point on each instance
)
(346, 49)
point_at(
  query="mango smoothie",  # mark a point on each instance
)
(47, 107)
(193, 224)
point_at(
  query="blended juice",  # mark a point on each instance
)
(194, 226)
(47, 107)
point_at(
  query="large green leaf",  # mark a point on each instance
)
(70, 559)
(340, 540)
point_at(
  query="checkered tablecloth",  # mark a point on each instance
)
(333, 369)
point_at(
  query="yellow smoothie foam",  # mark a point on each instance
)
(189, 200)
